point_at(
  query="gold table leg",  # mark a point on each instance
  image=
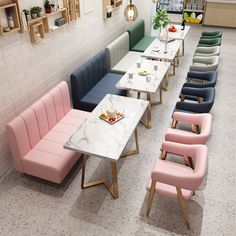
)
(112, 188)
(160, 102)
(174, 66)
(148, 122)
(166, 82)
(177, 63)
(135, 151)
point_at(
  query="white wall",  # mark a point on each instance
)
(27, 71)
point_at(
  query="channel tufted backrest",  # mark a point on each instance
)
(136, 33)
(27, 129)
(87, 76)
(117, 50)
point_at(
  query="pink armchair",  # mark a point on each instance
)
(176, 180)
(201, 127)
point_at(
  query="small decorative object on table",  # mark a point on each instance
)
(111, 116)
(172, 29)
(144, 72)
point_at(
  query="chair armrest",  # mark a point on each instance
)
(194, 91)
(171, 173)
(179, 149)
(186, 117)
(197, 75)
(194, 107)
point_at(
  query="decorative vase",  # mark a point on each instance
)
(48, 10)
(40, 14)
(166, 40)
(34, 16)
(11, 22)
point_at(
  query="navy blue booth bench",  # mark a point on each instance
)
(91, 82)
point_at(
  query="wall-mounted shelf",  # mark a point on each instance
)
(194, 11)
(64, 13)
(109, 6)
(38, 25)
(11, 7)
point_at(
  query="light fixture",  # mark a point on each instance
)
(155, 1)
(131, 12)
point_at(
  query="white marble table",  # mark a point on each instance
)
(156, 51)
(149, 86)
(98, 138)
(179, 34)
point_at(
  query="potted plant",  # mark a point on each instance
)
(161, 20)
(47, 6)
(53, 7)
(40, 11)
(34, 12)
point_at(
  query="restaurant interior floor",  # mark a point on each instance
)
(29, 206)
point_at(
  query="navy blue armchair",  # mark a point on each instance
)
(204, 98)
(91, 82)
(197, 79)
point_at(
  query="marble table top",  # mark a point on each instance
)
(139, 83)
(156, 50)
(99, 138)
(179, 34)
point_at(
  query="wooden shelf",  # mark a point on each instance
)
(192, 10)
(114, 6)
(56, 12)
(15, 18)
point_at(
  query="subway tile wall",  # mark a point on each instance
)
(27, 71)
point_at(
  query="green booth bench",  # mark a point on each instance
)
(138, 42)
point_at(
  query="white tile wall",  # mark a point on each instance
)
(28, 71)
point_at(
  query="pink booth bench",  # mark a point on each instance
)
(37, 136)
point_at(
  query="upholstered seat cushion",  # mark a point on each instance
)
(175, 172)
(126, 62)
(48, 159)
(99, 91)
(47, 165)
(143, 44)
(137, 40)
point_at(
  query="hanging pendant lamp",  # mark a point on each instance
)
(131, 12)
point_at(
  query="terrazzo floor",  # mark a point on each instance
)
(29, 206)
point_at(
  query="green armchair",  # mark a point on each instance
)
(212, 34)
(209, 42)
(138, 42)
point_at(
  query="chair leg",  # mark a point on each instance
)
(183, 206)
(150, 197)
(163, 154)
(174, 124)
